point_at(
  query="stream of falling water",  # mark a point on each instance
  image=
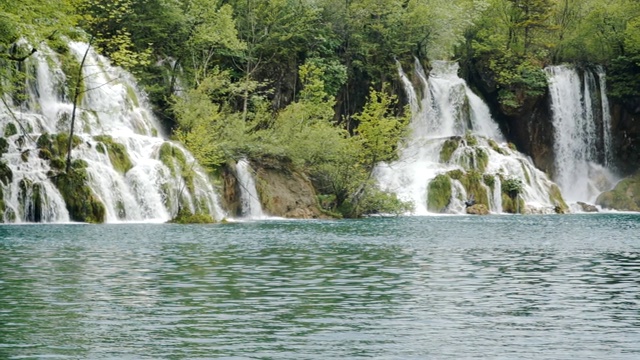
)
(582, 124)
(112, 112)
(449, 110)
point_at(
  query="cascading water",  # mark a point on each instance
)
(582, 124)
(455, 151)
(250, 203)
(130, 168)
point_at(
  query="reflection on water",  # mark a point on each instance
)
(557, 287)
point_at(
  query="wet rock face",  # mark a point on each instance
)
(625, 122)
(231, 190)
(284, 192)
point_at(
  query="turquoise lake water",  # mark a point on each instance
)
(454, 287)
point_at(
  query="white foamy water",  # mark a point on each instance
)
(450, 110)
(112, 106)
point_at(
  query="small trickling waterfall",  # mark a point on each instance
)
(456, 152)
(582, 124)
(130, 168)
(249, 201)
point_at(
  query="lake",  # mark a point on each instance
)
(449, 287)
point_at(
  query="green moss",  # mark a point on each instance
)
(71, 68)
(527, 177)
(512, 205)
(489, 180)
(57, 144)
(118, 154)
(173, 158)
(81, 202)
(555, 196)
(470, 139)
(456, 174)
(495, 147)
(472, 184)
(625, 196)
(44, 154)
(57, 164)
(481, 160)
(186, 217)
(131, 93)
(25, 155)
(448, 148)
(512, 146)
(10, 129)
(439, 194)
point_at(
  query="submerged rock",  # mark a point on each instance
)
(587, 207)
(478, 209)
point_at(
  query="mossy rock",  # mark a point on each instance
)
(174, 159)
(478, 209)
(169, 155)
(57, 144)
(470, 139)
(472, 183)
(10, 129)
(555, 196)
(448, 148)
(81, 202)
(489, 180)
(186, 217)
(456, 174)
(625, 196)
(512, 205)
(481, 160)
(6, 175)
(439, 194)
(44, 154)
(495, 147)
(30, 197)
(117, 153)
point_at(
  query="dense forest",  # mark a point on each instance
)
(312, 83)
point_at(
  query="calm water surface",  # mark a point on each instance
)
(498, 287)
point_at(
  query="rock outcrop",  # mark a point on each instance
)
(625, 196)
(478, 209)
(285, 192)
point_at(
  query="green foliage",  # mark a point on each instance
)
(439, 194)
(512, 187)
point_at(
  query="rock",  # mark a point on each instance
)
(587, 207)
(478, 209)
(284, 191)
(625, 196)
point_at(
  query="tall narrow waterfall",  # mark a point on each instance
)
(249, 201)
(582, 124)
(456, 152)
(128, 166)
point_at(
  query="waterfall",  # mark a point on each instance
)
(130, 167)
(582, 140)
(250, 203)
(452, 134)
